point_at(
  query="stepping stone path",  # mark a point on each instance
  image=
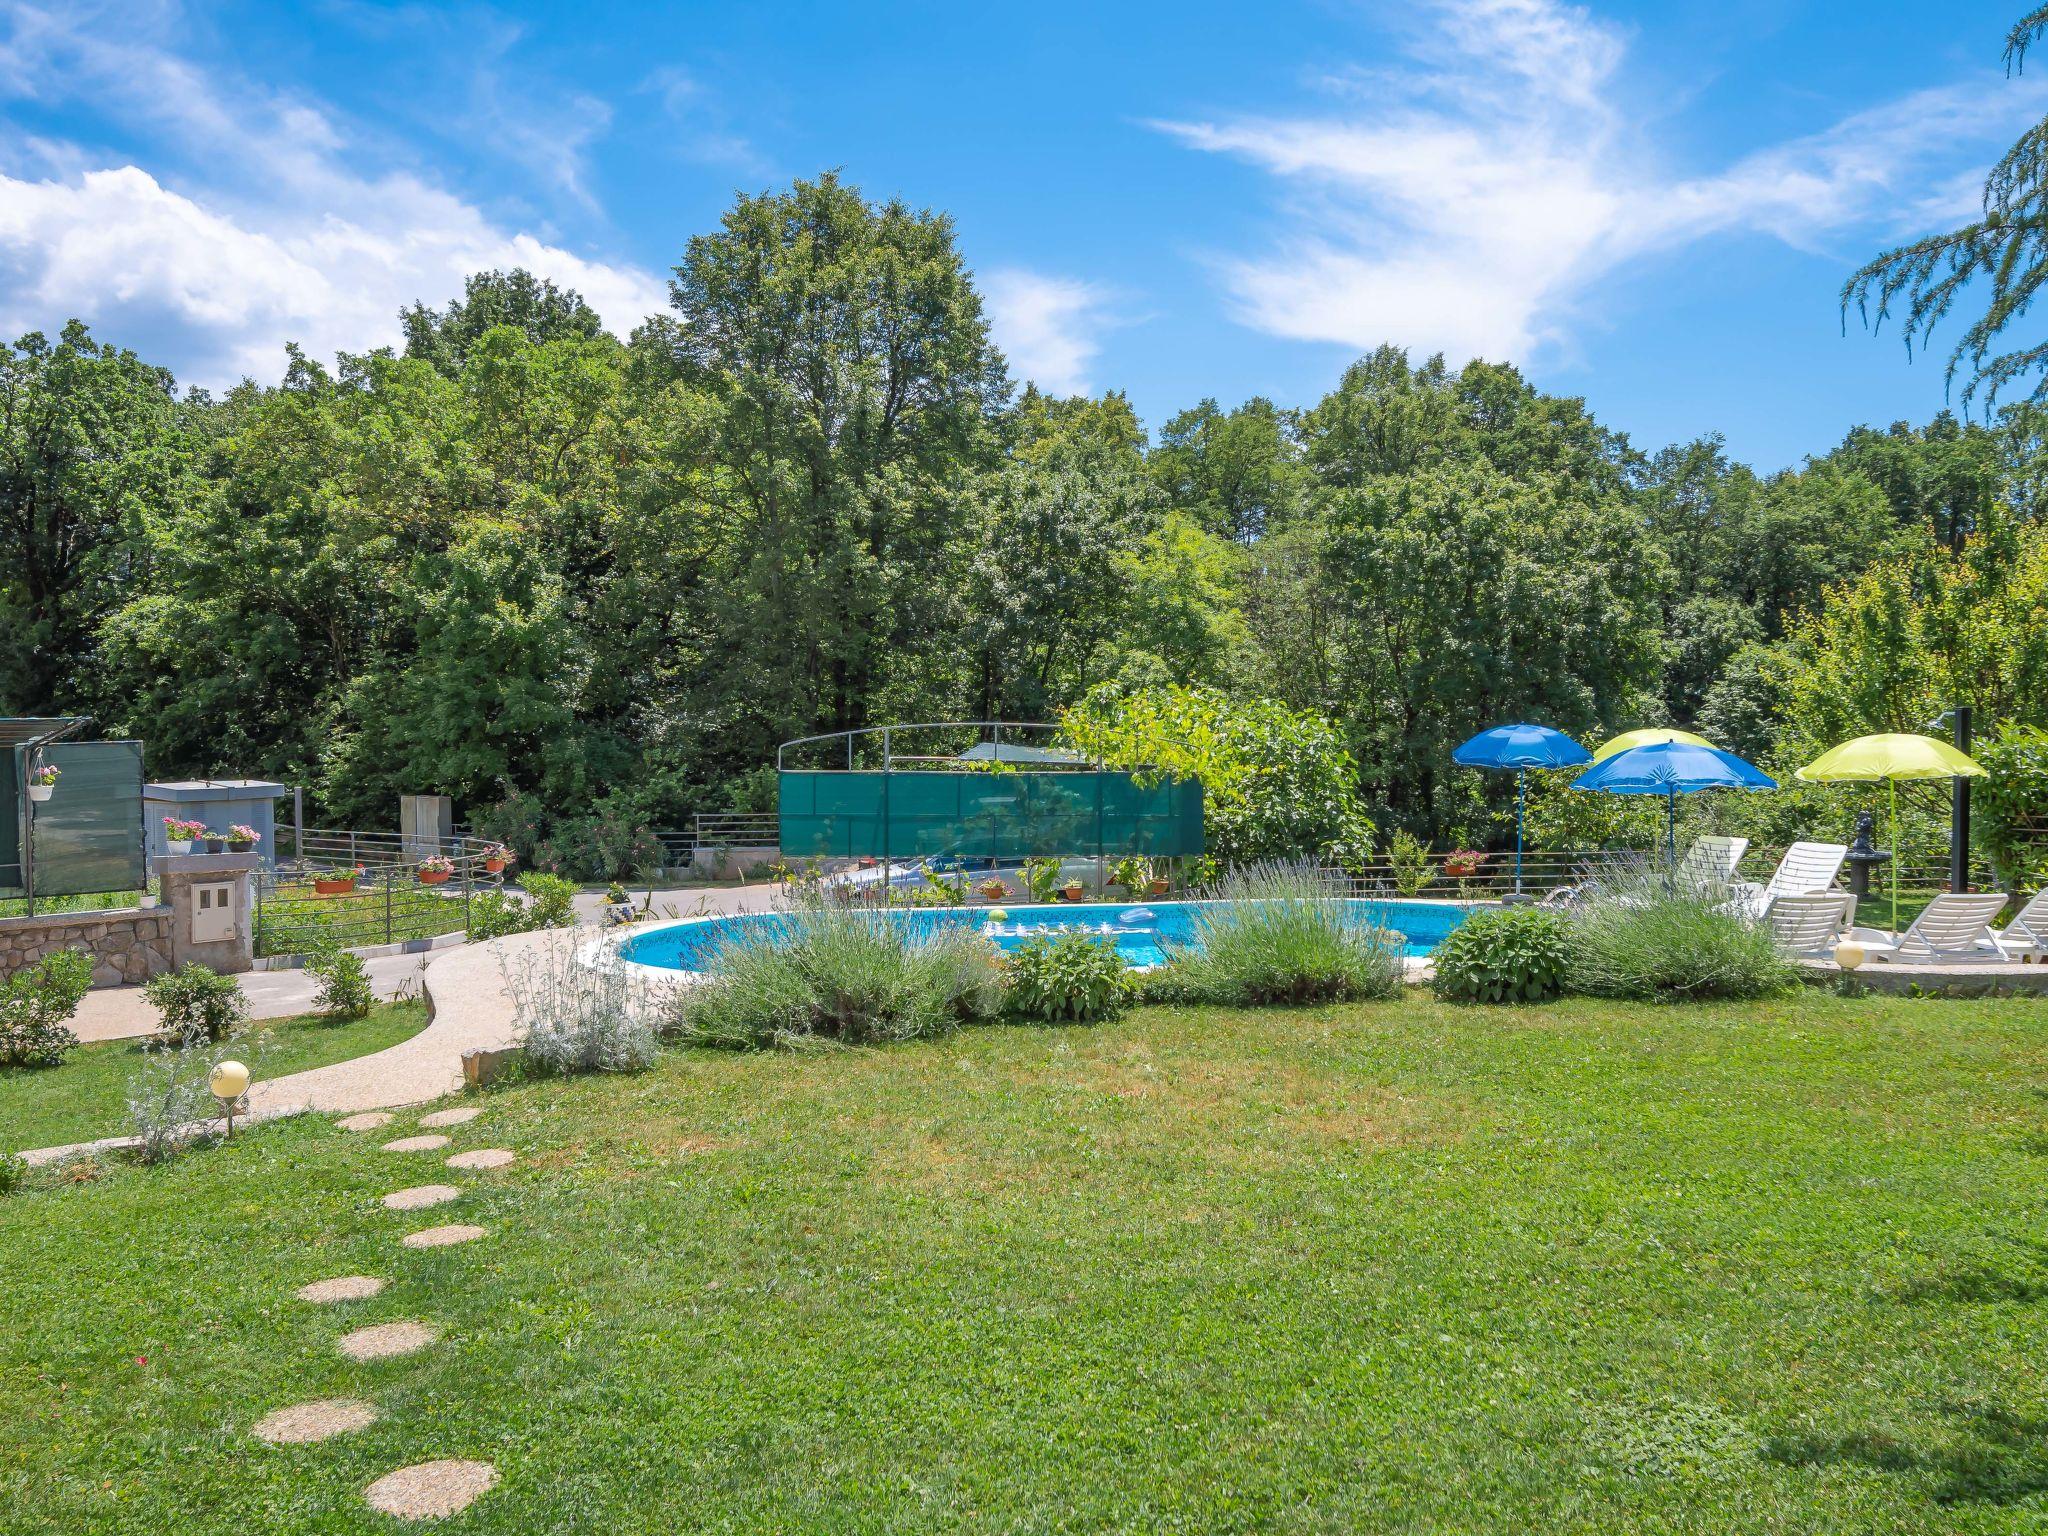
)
(442, 1237)
(421, 1196)
(429, 1490)
(346, 1288)
(432, 1490)
(383, 1341)
(483, 1157)
(416, 1144)
(304, 1423)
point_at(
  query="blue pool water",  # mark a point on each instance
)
(1141, 933)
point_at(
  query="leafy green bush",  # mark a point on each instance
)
(1504, 955)
(197, 1004)
(841, 974)
(1279, 933)
(344, 984)
(493, 914)
(1069, 978)
(553, 903)
(36, 1005)
(1654, 937)
(13, 1172)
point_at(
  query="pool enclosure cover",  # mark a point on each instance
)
(87, 837)
(977, 790)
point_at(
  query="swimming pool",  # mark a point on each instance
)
(1141, 932)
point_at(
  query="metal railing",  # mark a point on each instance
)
(331, 848)
(319, 900)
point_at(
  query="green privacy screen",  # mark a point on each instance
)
(13, 806)
(88, 835)
(1017, 815)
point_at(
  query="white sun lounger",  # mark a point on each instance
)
(1810, 926)
(1954, 927)
(1712, 860)
(1807, 869)
(2026, 936)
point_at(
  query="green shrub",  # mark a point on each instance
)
(553, 900)
(841, 974)
(344, 984)
(197, 1005)
(1068, 978)
(36, 1006)
(1504, 955)
(493, 914)
(13, 1172)
(1652, 937)
(1279, 933)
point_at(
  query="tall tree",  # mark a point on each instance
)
(2006, 247)
(531, 305)
(91, 459)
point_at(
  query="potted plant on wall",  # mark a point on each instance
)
(436, 870)
(211, 841)
(1074, 890)
(42, 781)
(337, 882)
(179, 833)
(241, 838)
(994, 889)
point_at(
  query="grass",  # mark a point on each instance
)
(84, 1098)
(1399, 1267)
(293, 919)
(48, 906)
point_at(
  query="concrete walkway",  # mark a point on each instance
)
(122, 1013)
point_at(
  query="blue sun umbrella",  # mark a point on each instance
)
(1671, 769)
(1521, 747)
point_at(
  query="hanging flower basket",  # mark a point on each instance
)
(435, 871)
(337, 882)
(42, 782)
(496, 856)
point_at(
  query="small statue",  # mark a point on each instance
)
(1859, 845)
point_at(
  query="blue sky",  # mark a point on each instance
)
(1652, 206)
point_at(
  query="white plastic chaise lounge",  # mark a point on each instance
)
(2026, 936)
(1807, 869)
(1809, 927)
(1712, 860)
(1707, 861)
(1953, 927)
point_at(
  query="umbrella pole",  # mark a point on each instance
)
(1892, 786)
(1671, 829)
(1521, 797)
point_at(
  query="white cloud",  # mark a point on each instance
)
(1050, 328)
(1470, 201)
(288, 230)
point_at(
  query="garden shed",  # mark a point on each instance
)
(220, 804)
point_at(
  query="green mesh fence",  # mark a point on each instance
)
(1012, 815)
(88, 835)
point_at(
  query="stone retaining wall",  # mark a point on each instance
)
(127, 945)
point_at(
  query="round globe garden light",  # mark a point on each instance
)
(229, 1081)
(1520, 747)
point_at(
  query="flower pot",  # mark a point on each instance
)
(178, 844)
(334, 887)
(235, 847)
(41, 792)
(1161, 887)
(1074, 890)
(433, 877)
(494, 866)
(216, 845)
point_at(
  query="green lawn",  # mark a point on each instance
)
(85, 1098)
(1385, 1268)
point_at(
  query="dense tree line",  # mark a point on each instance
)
(525, 562)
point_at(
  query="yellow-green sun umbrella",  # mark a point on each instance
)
(1652, 737)
(1891, 758)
